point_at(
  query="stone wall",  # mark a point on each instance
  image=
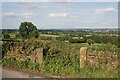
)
(19, 54)
(95, 58)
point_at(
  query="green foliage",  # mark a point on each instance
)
(97, 38)
(90, 41)
(9, 62)
(12, 62)
(23, 64)
(17, 36)
(6, 36)
(45, 38)
(65, 38)
(105, 47)
(61, 59)
(33, 66)
(6, 46)
(28, 30)
(102, 38)
(77, 40)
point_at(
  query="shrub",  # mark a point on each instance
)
(90, 41)
(6, 36)
(17, 36)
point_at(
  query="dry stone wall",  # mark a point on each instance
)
(19, 54)
(95, 58)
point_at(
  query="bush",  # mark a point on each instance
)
(45, 38)
(17, 36)
(90, 41)
(6, 36)
(74, 41)
(77, 40)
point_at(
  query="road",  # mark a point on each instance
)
(6, 73)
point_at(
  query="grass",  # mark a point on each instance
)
(19, 64)
(12, 35)
(58, 70)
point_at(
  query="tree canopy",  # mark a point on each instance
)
(28, 30)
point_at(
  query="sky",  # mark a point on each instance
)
(60, 15)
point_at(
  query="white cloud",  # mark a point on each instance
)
(61, 15)
(11, 14)
(58, 15)
(27, 15)
(106, 10)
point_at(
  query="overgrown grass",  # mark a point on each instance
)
(62, 59)
(66, 63)
(19, 64)
(70, 71)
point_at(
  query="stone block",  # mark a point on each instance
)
(39, 55)
(83, 56)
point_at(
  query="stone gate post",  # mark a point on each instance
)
(83, 55)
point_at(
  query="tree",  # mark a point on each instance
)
(6, 36)
(97, 38)
(28, 30)
(90, 41)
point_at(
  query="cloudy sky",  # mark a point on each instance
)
(57, 15)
